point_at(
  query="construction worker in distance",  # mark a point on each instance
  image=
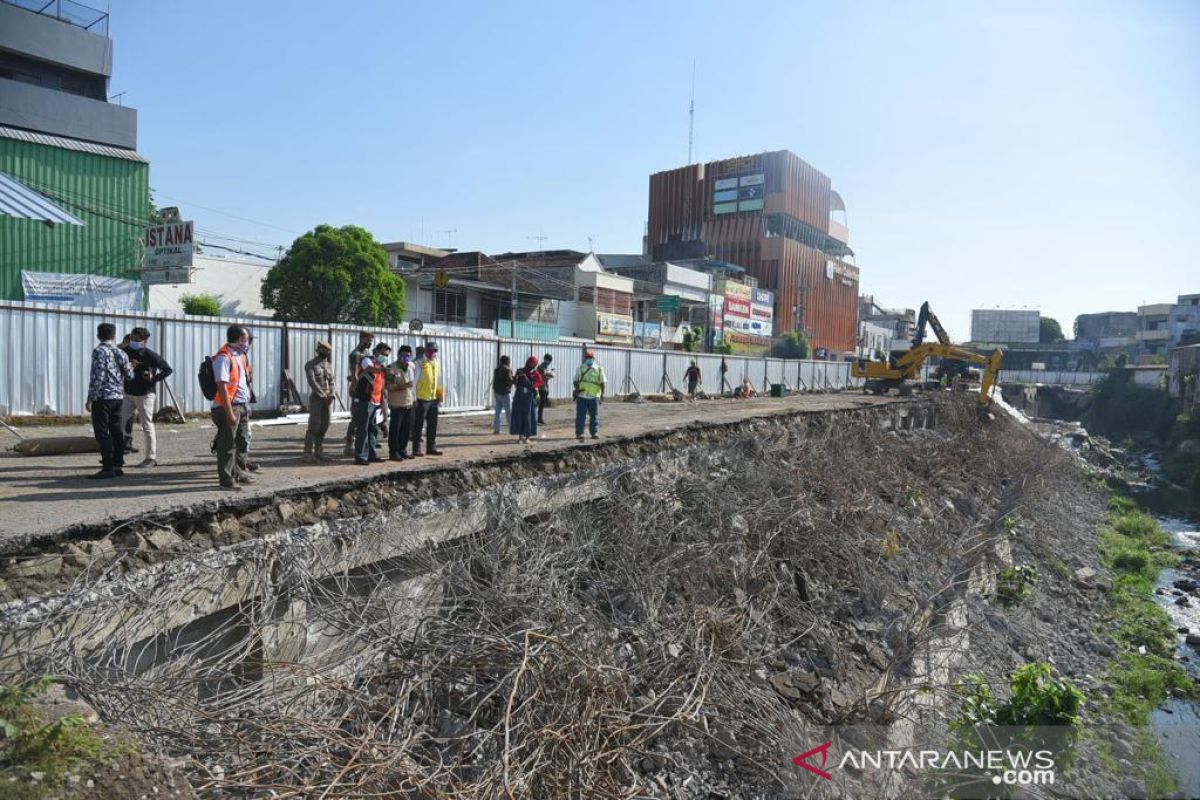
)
(319, 373)
(430, 393)
(589, 389)
(692, 376)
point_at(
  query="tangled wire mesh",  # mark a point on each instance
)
(624, 647)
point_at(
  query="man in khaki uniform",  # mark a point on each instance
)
(319, 372)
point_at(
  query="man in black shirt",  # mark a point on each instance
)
(149, 369)
(366, 341)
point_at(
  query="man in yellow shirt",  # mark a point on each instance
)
(589, 388)
(430, 392)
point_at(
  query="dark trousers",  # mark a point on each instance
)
(587, 408)
(426, 416)
(366, 432)
(399, 429)
(106, 425)
(233, 442)
(542, 402)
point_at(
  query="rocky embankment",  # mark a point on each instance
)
(735, 597)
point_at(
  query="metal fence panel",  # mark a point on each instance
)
(646, 369)
(467, 366)
(777, 371)
(186, 341)
(808, 375)
(841, 379)
(49, 355)
(1046, 376)
(677, 364)
(710, 373)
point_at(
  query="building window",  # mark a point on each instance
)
(449, 307)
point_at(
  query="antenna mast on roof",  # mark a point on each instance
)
(692, 114)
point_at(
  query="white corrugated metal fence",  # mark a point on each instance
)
(45, 368)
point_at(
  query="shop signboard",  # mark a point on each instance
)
(169, 245)
(614, 325)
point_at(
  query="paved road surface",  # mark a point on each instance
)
(44, 494)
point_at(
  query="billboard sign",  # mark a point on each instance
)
(725, 183)
(733, 166)
(169, 245)
(752, 180)
(762, 313)
(166, 275)
(667, 303)
(614, 325)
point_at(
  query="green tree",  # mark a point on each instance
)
(692, 338)
(200, 305)
(1049, 331)
(793, 344)
(335, 275)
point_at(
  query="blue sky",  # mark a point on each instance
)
(1041, 155)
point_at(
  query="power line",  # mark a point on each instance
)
(227, 214)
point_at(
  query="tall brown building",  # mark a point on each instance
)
(778, 217)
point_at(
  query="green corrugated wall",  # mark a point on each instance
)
(112, 195)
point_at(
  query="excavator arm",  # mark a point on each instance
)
(894, 373)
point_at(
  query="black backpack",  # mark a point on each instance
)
(207, 378)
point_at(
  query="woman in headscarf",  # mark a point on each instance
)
(526, 383)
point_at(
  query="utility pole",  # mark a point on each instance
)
(449, 232)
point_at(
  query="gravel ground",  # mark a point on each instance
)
(40, 495)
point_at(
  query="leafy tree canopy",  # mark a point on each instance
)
(1049, 331)
(793, 344)
(335, 275)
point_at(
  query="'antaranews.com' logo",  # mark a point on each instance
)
(1008, 767)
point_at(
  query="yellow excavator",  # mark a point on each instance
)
(900, 369)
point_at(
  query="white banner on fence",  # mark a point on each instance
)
(89, 291)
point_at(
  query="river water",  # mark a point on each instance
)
(1177, 722)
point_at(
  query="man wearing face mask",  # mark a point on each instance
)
(366, 341)
(429, 396)
(149, 369)
(231, 408)
(589, 388)
(368, 392)
(401, 398)
(319, 372)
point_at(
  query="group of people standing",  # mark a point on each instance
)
(122, 385)
(523, 396)
(396, 401)
(400, 397)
